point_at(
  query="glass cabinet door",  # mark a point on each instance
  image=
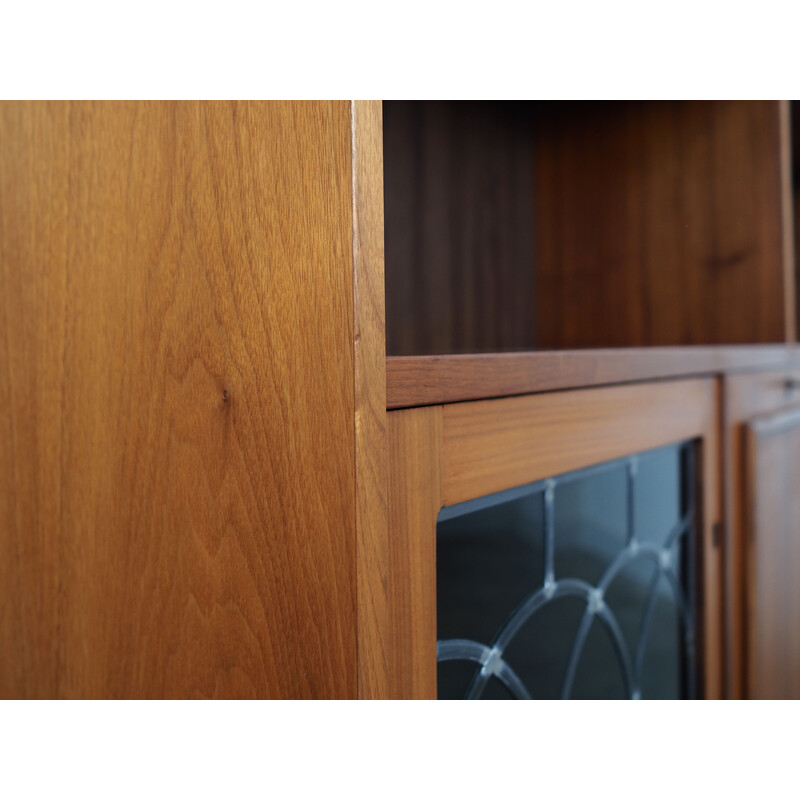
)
(577, 586)
(558, 545)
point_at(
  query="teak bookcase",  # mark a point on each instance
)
(251, 350)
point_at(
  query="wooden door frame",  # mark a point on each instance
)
(443, 455)
(747, 395)
(768, 675)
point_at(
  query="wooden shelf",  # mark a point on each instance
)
(430, 380)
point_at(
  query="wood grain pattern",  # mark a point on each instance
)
(444, 455)
(177, 511)
(459, 239)
(372, 538)
(431, 380)
(659, 223)
(747, 395)
(517, 226)
(491, 445)
(773, 458)
(710, 518)
(793, 159)
(415, 499)
(788, 221)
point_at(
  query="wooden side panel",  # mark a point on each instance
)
(415, 499)
(370, 401)
(773, 457)
(660, 223)
(177, 510)
(491, 445)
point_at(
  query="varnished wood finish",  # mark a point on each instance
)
(519, 226)
(788, 222)
(711, 517)
(459, 238)
(747, 395)
(431, 380)
(493, 445)
(370, 402)
(773, 459)
(488, 446)
(659, 223)
(415, 499)
(792, 159)
(177, 507)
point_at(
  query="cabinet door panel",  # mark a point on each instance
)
(748, 396)
(441, 457)
(773, 461)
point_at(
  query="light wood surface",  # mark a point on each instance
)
(177, 511)
(415, 499)
(747, 395)
(370, 402)
(773, 459)
(491, 445)
(430, 380)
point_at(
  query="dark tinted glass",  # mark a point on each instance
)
(613, 619)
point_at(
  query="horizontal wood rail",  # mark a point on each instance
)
(432, 380)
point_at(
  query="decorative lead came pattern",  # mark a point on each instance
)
(672, 561)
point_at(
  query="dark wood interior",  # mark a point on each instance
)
(459, 236)
(794, 107)
(523, 226)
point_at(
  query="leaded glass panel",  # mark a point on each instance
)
(579, 586)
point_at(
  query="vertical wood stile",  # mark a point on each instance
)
(369, 347)
(415, 499)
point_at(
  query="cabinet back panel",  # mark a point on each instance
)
(659, 224)
(517, 226)
(459, 240)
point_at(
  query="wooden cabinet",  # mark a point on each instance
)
(663, 230)
(216, 479)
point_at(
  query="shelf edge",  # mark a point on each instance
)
(413, 381)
